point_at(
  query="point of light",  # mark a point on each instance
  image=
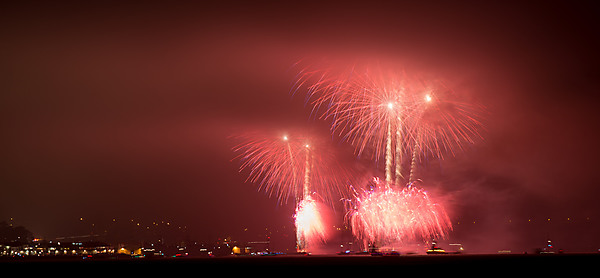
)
(285, 138)
(390, 105)
(427, 98)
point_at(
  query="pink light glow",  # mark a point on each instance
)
(388, 215)
(311, 227)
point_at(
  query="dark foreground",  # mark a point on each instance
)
(433, 265)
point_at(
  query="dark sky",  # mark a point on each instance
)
(124, 110)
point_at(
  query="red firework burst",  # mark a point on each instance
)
(291, 166)
(388, 215)
(394, 115)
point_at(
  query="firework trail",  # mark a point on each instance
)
(387, 215)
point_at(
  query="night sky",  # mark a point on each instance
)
(126, 111)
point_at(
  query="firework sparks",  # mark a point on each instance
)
(387, 215)
(310, 224)
(274, 163)
(394, 115)
(291, 166)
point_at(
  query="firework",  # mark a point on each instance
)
(389, 115)
(310, 225)
(291, 166)
(273, 163)
(294, 167)
(396, 117)
(386, 215)
(442, 123)
(393, 115)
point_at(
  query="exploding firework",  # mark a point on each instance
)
(442, 123)
(291, 166)
(274, 163)
(399, 118)
(294, 167)
(386, 215)
(311, 227)
(393, 115)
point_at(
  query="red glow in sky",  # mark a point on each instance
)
(120, 111)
